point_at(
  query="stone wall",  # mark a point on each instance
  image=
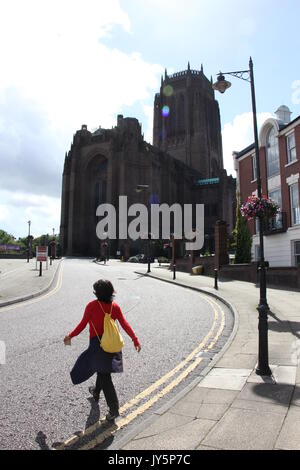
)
(282, 277)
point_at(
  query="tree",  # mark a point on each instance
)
(6, 238)
(242, 236)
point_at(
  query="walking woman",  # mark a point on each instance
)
(94, 359)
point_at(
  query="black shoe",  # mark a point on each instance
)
(93, 392)
(112, 415)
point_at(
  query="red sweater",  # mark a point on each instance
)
(93, 312)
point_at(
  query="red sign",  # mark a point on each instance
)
(41, 253)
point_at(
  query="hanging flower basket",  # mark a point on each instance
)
(265, 208)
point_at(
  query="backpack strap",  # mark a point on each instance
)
(103, 308)
(96, 332)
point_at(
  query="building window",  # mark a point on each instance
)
(294, 200)
(275, 195)
(297, 252)
(291, 148)
(272, 154)
(254, 169)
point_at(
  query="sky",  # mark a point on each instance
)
(65, 63)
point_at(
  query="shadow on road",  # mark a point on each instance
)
(93, 418)
(94, 415)
(41, 440)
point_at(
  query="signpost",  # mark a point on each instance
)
(41, 255)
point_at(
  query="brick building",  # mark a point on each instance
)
(279, 150)
(184, 166)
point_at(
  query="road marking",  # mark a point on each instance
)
(125, 421)
(40, 297)
(7, 273)
(154, 386)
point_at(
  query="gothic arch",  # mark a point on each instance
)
(267, 126)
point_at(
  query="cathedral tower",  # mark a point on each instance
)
(187, 121)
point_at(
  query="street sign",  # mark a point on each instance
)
(41, 253)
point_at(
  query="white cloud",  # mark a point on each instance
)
(18, 207)
(55, 76)
(238, 134)
(296, 93)
(148, 111)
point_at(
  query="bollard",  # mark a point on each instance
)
(174, 271)
(50, 261)
(216, 279)
(40, 268)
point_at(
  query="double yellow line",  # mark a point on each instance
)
(191, 358)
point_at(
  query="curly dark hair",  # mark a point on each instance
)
(104, 290)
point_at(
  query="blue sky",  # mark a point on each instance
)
(68, 62)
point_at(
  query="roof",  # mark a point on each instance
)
(252, 146)
(244, 151)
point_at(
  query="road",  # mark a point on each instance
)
(180, 330)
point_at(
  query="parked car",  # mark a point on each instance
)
(163, 259)
(140, 258)
(133, 259)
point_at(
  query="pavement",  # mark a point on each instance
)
(228, 406)
(20, 280)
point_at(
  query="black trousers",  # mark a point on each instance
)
(105, 383)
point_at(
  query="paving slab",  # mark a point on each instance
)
(238, 360)
(184, 437)
(259, 406)
(229, 379)
(289, 437)
(243, 429)
(269, 393)
(280, 375)
(165, 423)
(296, 396)
(201, 411)
(206, 448)
(211, 396)
(298, 376)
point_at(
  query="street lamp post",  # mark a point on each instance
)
(28, 244)
(263, 360)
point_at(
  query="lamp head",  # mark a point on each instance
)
(221, 84)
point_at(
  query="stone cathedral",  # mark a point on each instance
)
(184, 165)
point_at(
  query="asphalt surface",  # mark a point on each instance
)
(40, 407)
